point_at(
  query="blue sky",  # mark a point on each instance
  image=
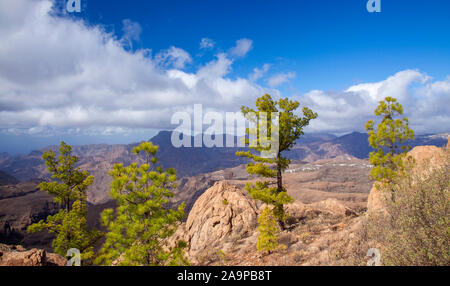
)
(338, 40)
(90, 77)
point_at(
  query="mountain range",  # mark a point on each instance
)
(98, 159)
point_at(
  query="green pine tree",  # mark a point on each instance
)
(142, 222)
(387, 139)
(289, 128)
(267, 229)
(69, 189)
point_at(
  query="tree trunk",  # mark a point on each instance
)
(280, 208)
(279, 181)
(279, 175)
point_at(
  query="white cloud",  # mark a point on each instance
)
(259, 73)
(58, 73)
(206, 44)
(61, 75)
(131, 32)
(394, 85)
(426, 103)
(174, 57)
(216, 68)
(280, 78)
(243, 46)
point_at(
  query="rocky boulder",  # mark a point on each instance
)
(223, 212)
(19, 256)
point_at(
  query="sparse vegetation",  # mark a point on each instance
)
(69, 189)
(222, 256)
(415, 229)
(139, 227)
(267, 229)
(412, 225)
(304, 236)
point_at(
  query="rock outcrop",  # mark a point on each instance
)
(19, 256)
(222, 212)
(426, 158)
(191, 188)
(223, 222)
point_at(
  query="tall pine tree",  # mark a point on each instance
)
(289, 128)
(388, 139)
(69, 189)
(141, 224)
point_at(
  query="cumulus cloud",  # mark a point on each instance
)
(57, 73)
(280, 78)
(243, 46)
(259, 73)
(174, 57)
(426, 103)
(206, 44)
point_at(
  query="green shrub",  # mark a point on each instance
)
(268, 230)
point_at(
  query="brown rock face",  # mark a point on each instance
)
(190, 189)
(21, 205)
(375, 200)
(425, 159)
(18, 256)
(222, 212)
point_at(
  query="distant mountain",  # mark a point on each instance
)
(98, 159)
(357, 145)
(4, 156)
(310, 138)
(6, 179)
(439, 140)
(195, 160)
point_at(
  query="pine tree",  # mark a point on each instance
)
(142, 222)
(69, 189)
(267, 229)
(387, 139)
(289, 128)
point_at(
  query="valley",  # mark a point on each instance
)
(323, 168)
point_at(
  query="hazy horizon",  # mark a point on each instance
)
(21, 145)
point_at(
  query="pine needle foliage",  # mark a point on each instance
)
(282, 116)
(387, 140)
(69, 190)
(140, 226)
(268, 230)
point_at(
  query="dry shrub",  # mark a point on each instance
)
(415, 227)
